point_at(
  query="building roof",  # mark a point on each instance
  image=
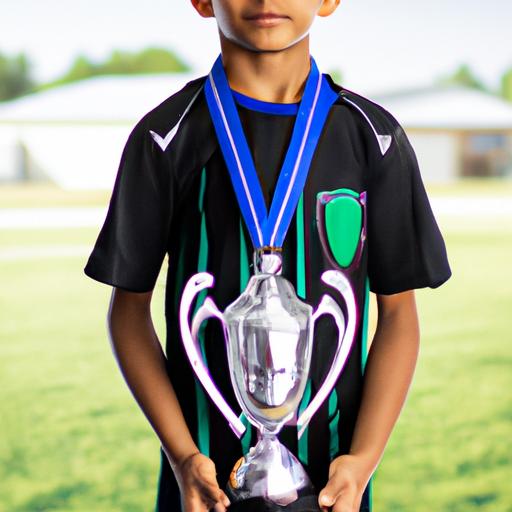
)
(110, 98)
(447, 107)
(126, 98)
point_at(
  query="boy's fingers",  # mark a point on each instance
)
(325, 501)
(224, 499)
(336, 487)
(222, 502)
(211, 493)
(345, 500)
(329, 493)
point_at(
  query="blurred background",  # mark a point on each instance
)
(76, 77)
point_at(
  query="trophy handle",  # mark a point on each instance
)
(195, 284)
(346, 334)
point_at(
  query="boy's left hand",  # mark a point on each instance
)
(348, 477)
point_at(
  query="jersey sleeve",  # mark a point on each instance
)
(133, 240)
(405, 247)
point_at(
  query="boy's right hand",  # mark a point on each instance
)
(200, 491)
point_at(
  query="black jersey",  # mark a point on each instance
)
(173, 195)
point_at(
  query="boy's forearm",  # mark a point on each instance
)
(142, 362)
(389, 372)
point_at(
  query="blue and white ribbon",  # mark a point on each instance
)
(268, 230)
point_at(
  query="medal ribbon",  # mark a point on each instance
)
(268, 230)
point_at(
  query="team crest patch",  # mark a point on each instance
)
(341, 221)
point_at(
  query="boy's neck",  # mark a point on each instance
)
(277, 77)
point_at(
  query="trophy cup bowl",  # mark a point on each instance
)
(269, 340)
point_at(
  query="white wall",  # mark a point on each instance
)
(72, 155)
(437, 153)
(10, 155)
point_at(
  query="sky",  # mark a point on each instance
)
(377, 45)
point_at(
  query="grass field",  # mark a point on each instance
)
(73, 439)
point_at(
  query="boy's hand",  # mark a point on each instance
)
(348, 477)
(200, 491)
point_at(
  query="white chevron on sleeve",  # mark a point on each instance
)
(163, 142)
(384, 141)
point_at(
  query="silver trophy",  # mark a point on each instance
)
(269, 340)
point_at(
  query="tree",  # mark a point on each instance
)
(506, 85)
(81, 68)
(463, 76)
(336, 75)
(150, 60)
(15, 76)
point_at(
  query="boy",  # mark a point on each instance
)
(173, 195)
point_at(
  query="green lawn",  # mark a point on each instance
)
(40, 195)
(450, 450)
(73, 439)
(72, 436)
(494, 187)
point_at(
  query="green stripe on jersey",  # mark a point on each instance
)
(364, 335)
(334, 418)
(244, 279)
(203, 415)
(364, 358)
(301, 265)
(301, 292)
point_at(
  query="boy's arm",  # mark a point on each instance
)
(388, 375)
(142, 362)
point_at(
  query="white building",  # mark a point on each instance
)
(74, 134)
(455, 131)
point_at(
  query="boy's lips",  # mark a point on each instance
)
(267, 19)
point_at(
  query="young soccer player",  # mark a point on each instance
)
(362, 210)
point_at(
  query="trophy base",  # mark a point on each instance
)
(269, 474)
(304, 504)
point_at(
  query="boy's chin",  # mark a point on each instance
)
(267, 44)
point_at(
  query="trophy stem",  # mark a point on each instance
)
(269, 471)
(267, 260)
